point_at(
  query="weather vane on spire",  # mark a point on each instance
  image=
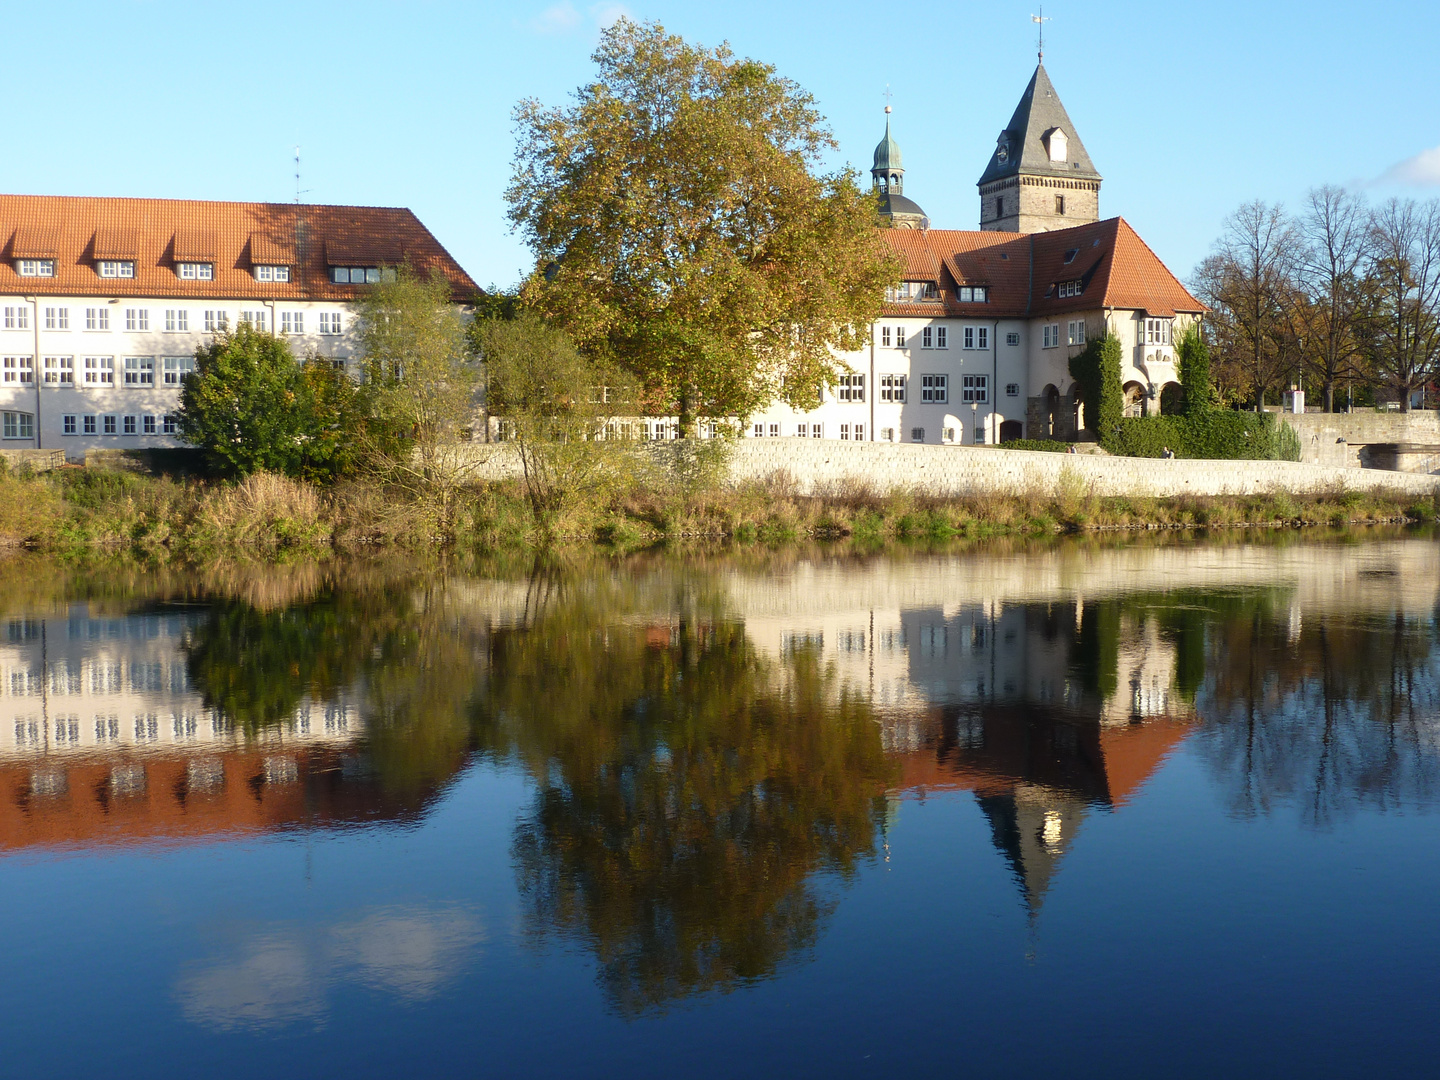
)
(1042, 19)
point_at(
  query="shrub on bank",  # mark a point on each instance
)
(1215, 434)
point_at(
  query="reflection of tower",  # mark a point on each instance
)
(1033, 826)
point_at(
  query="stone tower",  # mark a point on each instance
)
(1039, 177)
(888, 177)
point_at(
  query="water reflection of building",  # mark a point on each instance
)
(1046, 712)
(104, 739)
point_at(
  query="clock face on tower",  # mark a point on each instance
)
(1002, 149)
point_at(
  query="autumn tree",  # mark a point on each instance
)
(1403, 330)
(421, 386)
(682, 230)
(1247, 284)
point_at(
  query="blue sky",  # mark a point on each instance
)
(1187, 109)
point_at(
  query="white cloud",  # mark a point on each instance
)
(606, 14)
(566, 18)
(558, 18)
(1422, 170)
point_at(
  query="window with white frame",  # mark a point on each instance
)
(910, 291)
(975, 388)
(177, 321)
(852, 388)
(845, 432)
(892, 388)
(117, 268)
(57, 318)
(927, 338)
(979, 433)
(17, 370)
(885, 336)
(292, 322)
(1068, 289)
(1155, 332)
(859, 432)
(60, 370)
(887, 434)
(256, 319)
(97, 318)
(272, 273)
(17, 318)
(976, 337)
(817, 431)
(35, 267)
(19, 425)
(758, 432)
(99, 371)
(360, 275)
(109, 425)
(195, 271)
(899, 337)
(139, 371)
(217, 322)
(147, 425)
(1050, 336)
(942, 337)
(68, 425)
(917, 434)
(973, 294)
(1075, 331)
(169, 425)
(89, 424)
(175, 369)
(137, 320)
(935, 388)
(1012, 339)
(130, 428)
(329, 322)
(1012, 389)
(967, 337)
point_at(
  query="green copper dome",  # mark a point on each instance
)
(887, 154)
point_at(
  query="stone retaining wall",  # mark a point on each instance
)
(818, 464)
(1341, 438)
(37, 460)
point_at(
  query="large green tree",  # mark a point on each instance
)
(251, 406)
(682, 229)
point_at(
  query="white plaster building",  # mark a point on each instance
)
(103, 302)
(974, 343)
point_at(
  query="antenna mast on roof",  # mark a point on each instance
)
(1042, 19)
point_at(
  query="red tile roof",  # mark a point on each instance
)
(158, 233)
(1023, 271)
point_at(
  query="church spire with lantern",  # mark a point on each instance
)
(888, 178)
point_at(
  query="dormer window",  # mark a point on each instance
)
(360, 275)
(1070, 288)
(272, 273)
(117, 268)
(35, 267)
(195, 271)
(910, 291)
(1056, 144)
(972, 294)
(1070, 255)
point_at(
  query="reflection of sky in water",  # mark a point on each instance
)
(282, 973)
(820, 817)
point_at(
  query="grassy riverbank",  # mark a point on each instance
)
(74, 511)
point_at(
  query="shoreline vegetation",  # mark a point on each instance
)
(76, 512)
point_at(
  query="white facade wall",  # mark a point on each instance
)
(84, 334)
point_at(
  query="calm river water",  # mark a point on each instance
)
(1111, 810)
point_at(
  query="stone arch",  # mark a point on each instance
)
(1010, 430)
(1133, 398)
(1049, 411)
(1172, 399)
(1075, 406)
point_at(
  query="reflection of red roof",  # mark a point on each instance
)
(1108, 764)
(1117, 270)
(99, 801)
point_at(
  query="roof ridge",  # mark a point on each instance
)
(1131, 231)
(202, 202)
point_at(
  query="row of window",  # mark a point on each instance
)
(938, 337)
(110, 424)
(1074, 331)
(176, 320)
(848, 431)
(124, 269)
(912, 291)
(96, 371)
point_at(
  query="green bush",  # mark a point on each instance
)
(1097, 370)
(1216, 434)
(1050, 446)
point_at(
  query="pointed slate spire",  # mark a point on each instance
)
(1025, 146)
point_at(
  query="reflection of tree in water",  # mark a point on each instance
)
(1324, 711)
(688, 792)
(393, 648)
